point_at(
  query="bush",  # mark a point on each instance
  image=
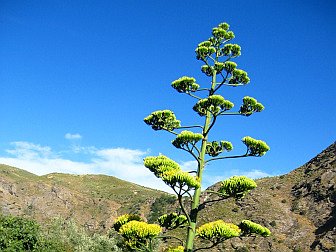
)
(18, 234)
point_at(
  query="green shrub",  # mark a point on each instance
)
(18, 234)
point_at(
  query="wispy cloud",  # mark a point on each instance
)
(120, 162)
(70, 136)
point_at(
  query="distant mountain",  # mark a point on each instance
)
(93, 201)
(299, 207)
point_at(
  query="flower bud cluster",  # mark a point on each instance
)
(204, 50)
(218, 231)
(170, 172)
(185, 84)
(186, 137)
(255, 147)
(249, 227)
(123, 219)
(214, 104)
(214, 148)
(250, 105)
(231, 50)
(172, 220)
(237, 186)
(162, 120)
(139, 230)
(239, 77)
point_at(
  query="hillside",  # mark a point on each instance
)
(299, 207)
(93, 201)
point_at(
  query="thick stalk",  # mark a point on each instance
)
(196, 197)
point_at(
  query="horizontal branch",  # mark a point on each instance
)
(218, 158)
(192, 126)
(230, 113)
(194, 96)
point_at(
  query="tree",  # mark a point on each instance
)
(217, 54)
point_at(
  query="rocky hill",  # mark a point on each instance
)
(299, 207)
(93, 201)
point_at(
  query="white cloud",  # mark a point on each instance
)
(123, 163)
(70, 136)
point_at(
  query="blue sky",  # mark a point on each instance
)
(78, 77)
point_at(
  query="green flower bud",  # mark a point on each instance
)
(239, 77)
(219, 33)
(255, 147)
(208, 70)
(232, 50)
(229, 66)
(214, 104)
(237, 186)
(172, 220)
(249, 227)
(250, 105)
(219, 66)
(162, 120)
(215, 148)
(224, 26)
(185, 84)
(186, 137)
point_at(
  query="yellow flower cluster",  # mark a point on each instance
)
(250, 227)
(237, 186)
(123, 219)
(186, 137)
(162, 120)
(139, 229)
(255, 147)
(170, 172)
(218, 230)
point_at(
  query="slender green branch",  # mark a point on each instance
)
(202, 89)
(212, 123)
(179, 197)
(229, 113)
(214, 192)
(194, 96)
(218, 158)
(192, 126)
(233, 85)
(192, 153)
(193, 147)
(224, 80)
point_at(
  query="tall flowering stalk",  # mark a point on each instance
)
(217, 55)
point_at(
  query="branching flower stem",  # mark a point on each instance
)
(201, 164)
(218, 158)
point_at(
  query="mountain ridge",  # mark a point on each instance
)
(299, 207)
